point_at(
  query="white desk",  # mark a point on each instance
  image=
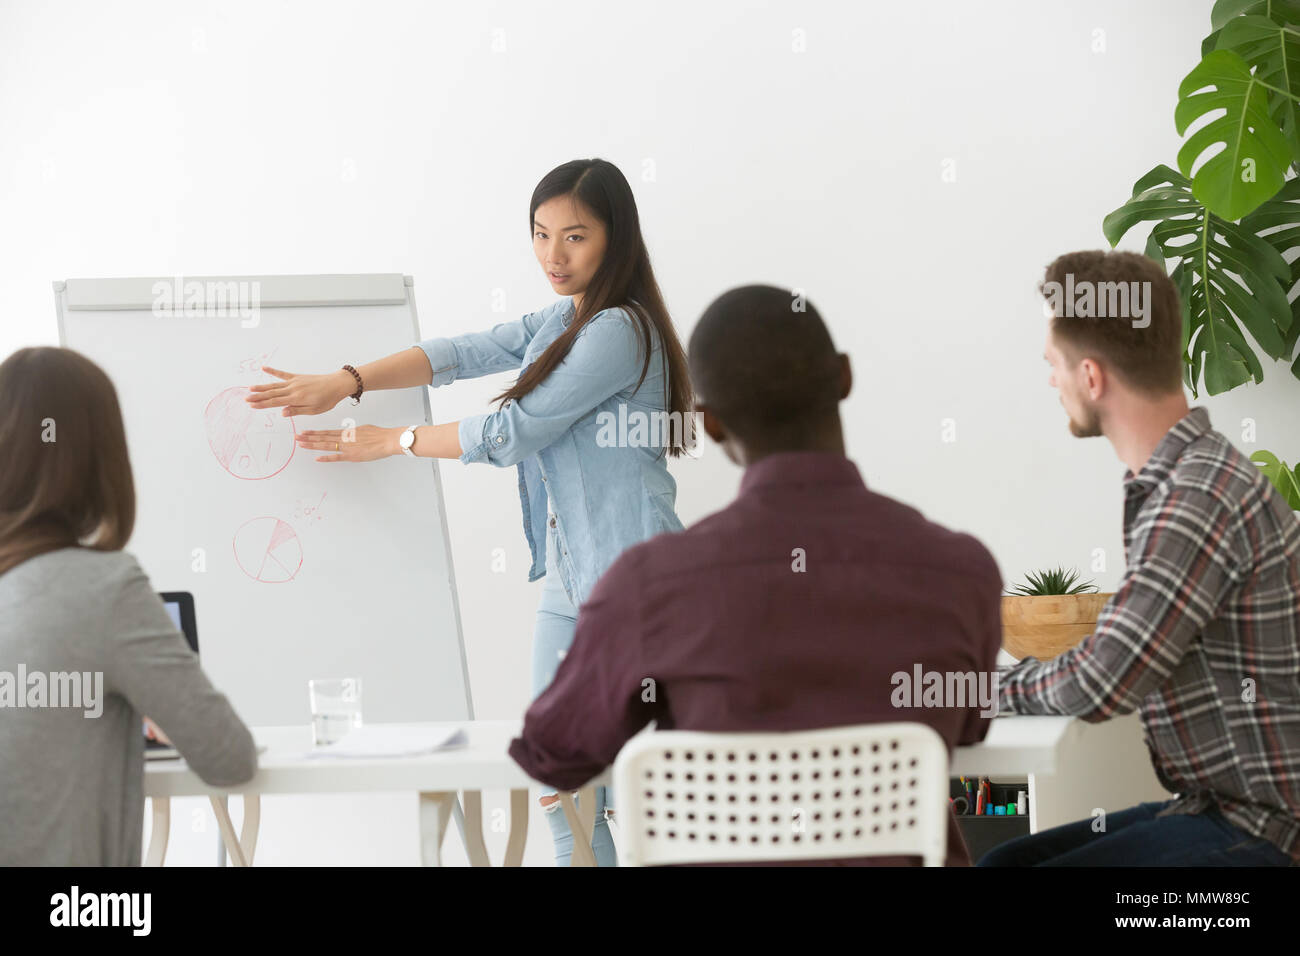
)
(285, 767)
(1072, 767)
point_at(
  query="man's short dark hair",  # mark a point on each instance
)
(762, 359)
(1146, 351)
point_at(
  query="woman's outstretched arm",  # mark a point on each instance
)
(315, 394)
(437, 361)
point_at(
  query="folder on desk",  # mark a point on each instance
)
(380, 740)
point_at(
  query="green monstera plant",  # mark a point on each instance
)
(1231, 225)
(1227, 275)
(1285, 478)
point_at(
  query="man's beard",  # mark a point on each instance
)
(1089, 428)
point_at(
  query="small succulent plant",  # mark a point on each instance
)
(1053, 581)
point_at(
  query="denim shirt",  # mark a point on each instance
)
(585, 432)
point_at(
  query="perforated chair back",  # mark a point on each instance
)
(863, 790)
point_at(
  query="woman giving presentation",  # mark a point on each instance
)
(607, 346)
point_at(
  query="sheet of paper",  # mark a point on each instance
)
(393, 740)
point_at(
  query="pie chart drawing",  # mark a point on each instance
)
(250, 443)
(268, 550)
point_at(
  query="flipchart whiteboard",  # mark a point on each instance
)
(299, 569)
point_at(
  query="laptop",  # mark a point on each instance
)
(180, 608)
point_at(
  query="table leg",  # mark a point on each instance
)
(435, 813)
(475, 848)
(159, 832)
(228, 837)
(582, 821)
(248, 829)
(1036, 815)
(518, 828)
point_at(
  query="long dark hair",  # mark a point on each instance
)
(623, 279)
(67, 477)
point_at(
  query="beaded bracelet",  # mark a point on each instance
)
(355, 396)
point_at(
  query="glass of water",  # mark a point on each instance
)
(335, 708)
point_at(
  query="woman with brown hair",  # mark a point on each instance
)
(86, 646)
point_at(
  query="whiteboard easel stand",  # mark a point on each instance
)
(131, 294)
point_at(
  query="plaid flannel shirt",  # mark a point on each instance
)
(1202, 637)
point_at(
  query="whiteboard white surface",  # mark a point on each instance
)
(299, 569)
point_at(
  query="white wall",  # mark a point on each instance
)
(232, 138)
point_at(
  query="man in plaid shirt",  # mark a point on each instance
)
(1203, 635)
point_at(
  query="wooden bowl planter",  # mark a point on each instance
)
(1045, 625)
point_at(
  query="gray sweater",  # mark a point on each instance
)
(71, 785)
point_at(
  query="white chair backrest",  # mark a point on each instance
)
(863, 790)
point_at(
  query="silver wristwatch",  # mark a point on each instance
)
(407, 439)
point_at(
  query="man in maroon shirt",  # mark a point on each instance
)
(796, 607)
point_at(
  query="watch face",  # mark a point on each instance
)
(407, 439)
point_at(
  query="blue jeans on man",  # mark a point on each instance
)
(1137, 837)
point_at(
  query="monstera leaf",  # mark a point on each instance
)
(1272, 51)
(1280, 474)
(1227, 277)
(1252, 165)
(1281, 12)
(1277, 222)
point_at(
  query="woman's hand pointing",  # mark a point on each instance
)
(302, 394)
(363, 443)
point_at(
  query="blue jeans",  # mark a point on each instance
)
(557, 619)
(1136, 837)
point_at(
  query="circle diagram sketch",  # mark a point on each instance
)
(250, 443)
(268, 550)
